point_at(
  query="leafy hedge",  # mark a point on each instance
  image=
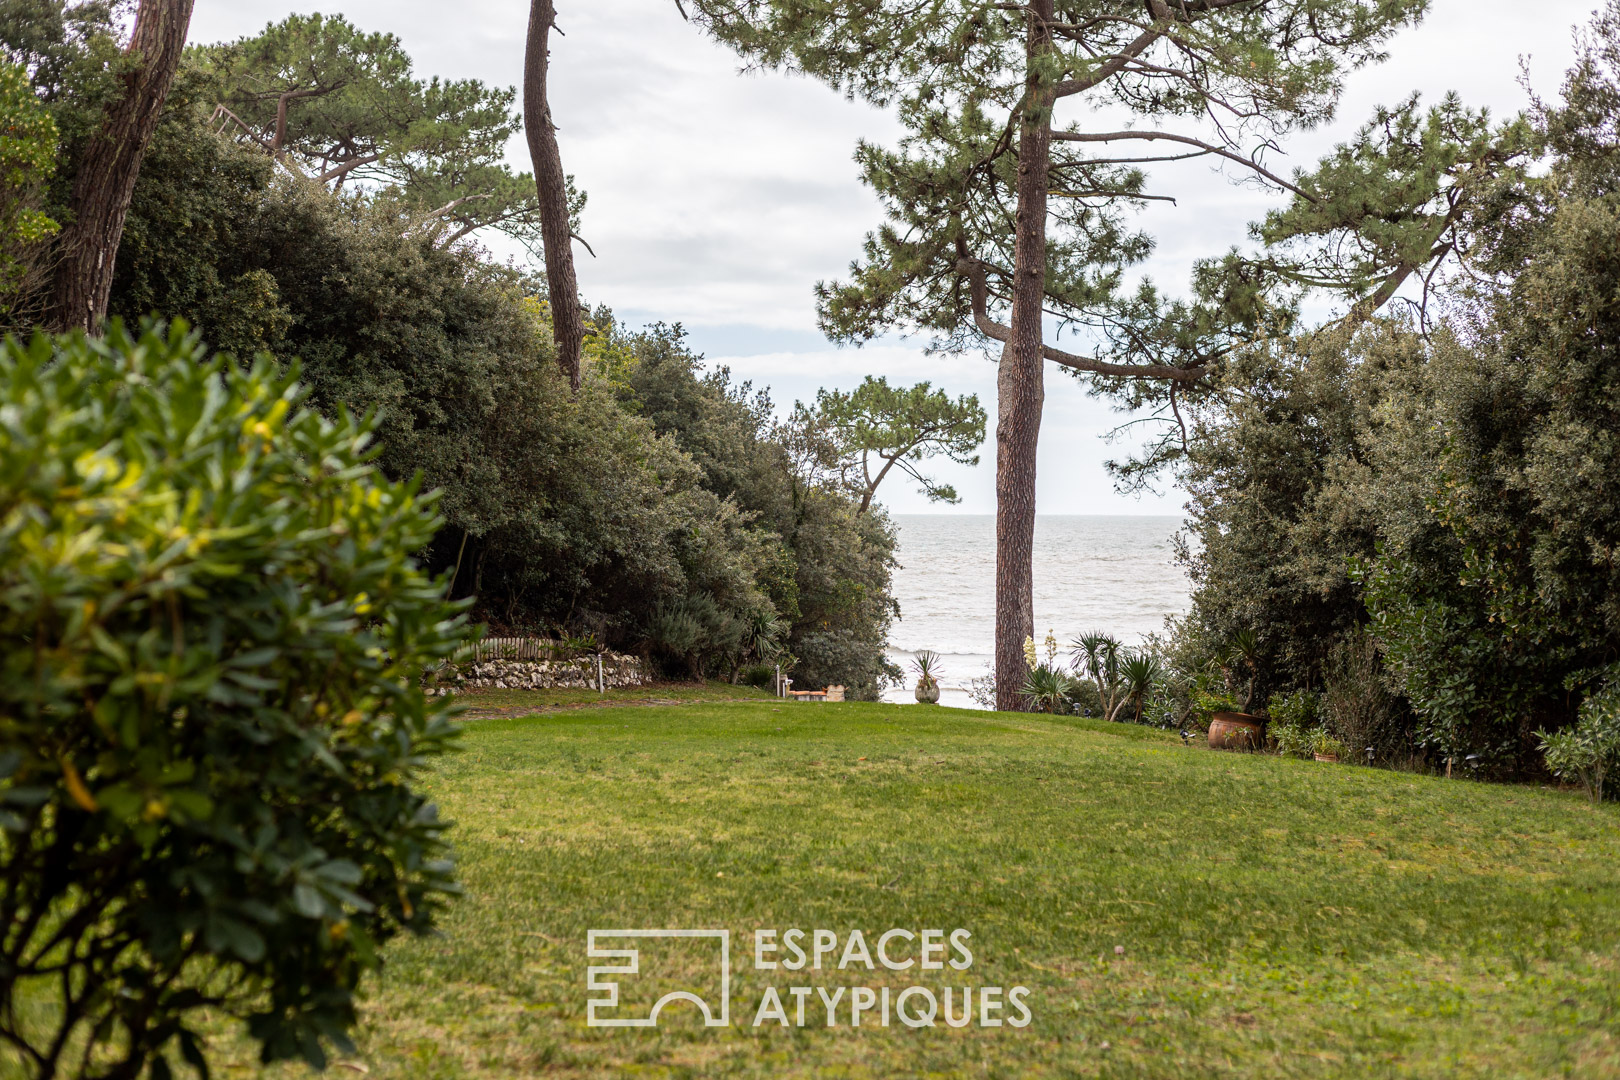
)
(211, 632)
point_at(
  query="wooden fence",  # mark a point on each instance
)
(514, 648)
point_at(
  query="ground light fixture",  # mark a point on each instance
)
(1371, 753)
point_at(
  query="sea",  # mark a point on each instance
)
(1094, 572)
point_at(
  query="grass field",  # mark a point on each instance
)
(1175, 912)
(483, 704)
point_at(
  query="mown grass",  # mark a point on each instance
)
(517, 702)
(1276, 918)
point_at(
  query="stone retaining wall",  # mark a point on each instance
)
(618, 670)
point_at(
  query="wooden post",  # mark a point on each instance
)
(600, 688)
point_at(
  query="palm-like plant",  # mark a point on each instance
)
(1097, 656)
(1048, 688)
(926, 664)
(1242, 650)
(1138, 673)
(763, 635)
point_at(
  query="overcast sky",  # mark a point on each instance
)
(718, 200)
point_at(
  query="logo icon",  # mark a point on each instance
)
(631, 965)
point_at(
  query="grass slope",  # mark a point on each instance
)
(1277, 918)
(483, 702)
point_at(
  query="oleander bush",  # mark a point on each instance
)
(211, 720)
(1295, 720)
(1590, 751)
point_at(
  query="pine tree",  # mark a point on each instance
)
(1007, 218)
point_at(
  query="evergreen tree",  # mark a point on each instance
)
(340, 106)
(1002, 211)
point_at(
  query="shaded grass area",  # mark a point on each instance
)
(1176, 912)
(519, 702)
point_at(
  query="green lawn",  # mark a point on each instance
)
(1276, 918)
(522, 702)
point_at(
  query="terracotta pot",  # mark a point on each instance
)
(1332, 759)
(928, 693)
(1235, 731)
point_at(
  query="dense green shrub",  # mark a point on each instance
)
(1294, 720)
(1357, 708)
(1429, 507)
(1084, 699)
(27, 159)
(212, 634)
(658, 492)
(1590, 751)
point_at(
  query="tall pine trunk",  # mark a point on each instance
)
(105, 181)
(567, 324)
(1020, 389)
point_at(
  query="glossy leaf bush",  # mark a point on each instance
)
(212, 633)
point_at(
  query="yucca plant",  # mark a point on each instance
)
(926, 664)
(763, 634)
(1048, 689)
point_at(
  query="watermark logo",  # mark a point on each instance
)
(820, 970)
(716, 1009)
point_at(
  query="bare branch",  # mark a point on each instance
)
(1111, 195)
(1208, 148)
(1070, 87)
(338, 172)
(974, 270)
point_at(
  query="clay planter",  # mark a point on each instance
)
(1235, 731)
(1332, 759)
(928, 693)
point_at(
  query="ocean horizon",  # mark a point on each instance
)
(1110, 572)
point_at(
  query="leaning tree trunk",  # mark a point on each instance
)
(567, 325)
(111, 163)
(1019, 382)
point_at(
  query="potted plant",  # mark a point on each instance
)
(1325, 747)
(926, 665)
(1240, 730)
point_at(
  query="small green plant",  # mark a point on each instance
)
(1138, 674)
(982, 689)
(1324, 745)
(212, 718)
(573, 646)
(764, 634)
(757, 675)
(1207, 700)
(1239, 660)
(926, 666)
(1590, 751)
(1048, 689)
(1098, 657)
(1295, 720)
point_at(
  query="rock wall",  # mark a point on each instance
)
(618, 670)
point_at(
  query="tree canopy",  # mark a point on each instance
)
(876, 428)
(1445, 481)
(342, 106)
